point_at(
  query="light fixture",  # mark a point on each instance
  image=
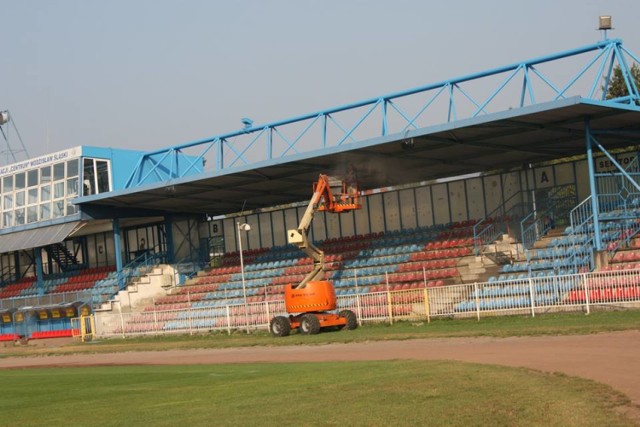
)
(247, 122)
(243, 227)
(605, 22)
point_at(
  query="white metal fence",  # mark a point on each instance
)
(577, 292)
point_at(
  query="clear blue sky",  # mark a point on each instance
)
(148, 74)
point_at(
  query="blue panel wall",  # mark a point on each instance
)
(122, 162)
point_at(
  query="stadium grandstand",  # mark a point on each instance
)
(510, 191)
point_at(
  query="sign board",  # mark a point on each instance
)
(47, 159)
(603, 164)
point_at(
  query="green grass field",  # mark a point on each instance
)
(354, 393)
(337, 393)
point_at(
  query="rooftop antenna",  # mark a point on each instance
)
(10, 152)
(605, 24)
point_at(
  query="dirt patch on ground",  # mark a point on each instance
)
(610, 358)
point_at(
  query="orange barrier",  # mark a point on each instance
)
(9, 337)
(52, 334)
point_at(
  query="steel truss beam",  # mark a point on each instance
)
(386, 115)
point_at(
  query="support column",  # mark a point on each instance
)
(117, 244)
(16, 263)
(168, 231)
(39, 270)
(593, 187)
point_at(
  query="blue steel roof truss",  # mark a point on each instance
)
(238, 165)
(229, 155)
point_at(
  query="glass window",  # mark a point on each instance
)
(45, 174)
(19, 198)
(33, 196)
(58, 209)
(20, 181)
(103, 176)
(58, 171)
(8, 201)
(19, 216)
(58, 190)
(72, 168)
(7, 219)
(72, 187)
(7, 183)
(45, 193)
(45, 211)
(88, 177)
(32, 214)
(32, 178)
(71, 208)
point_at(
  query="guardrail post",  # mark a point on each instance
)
(358, 306)
(531, 296)
(586, 292)
(389, 306)
(122, 323)
(427, 309)
(477, 297)
(228, 320)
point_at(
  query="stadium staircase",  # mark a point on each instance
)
(63, 257)
(548, 270)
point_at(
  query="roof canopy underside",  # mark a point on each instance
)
(495, 141)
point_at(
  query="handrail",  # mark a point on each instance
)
(47, 299)
(532, 230)
(140, 265)
(494, 223)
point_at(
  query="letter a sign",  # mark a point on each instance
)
(544, 177)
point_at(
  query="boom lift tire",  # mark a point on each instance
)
(352, 320)
(280, 326)
(309, 324)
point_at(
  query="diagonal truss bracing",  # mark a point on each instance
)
(513, 86)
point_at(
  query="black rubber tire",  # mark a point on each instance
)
(309, 324)
(280, 326)
(352, 320)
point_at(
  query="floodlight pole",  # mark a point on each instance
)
(243, 227)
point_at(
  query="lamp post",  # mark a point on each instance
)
(243, 227)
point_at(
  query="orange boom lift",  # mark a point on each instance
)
(309, 302)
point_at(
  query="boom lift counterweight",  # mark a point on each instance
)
(309, 302)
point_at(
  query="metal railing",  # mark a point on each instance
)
(532, 296)
(140, 266)
(499, 221)
(47, 299)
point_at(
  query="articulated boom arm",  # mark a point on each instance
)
(323, 199)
